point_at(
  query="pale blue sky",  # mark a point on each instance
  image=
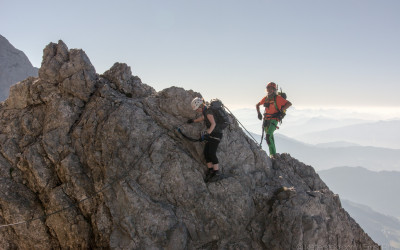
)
(323, 53)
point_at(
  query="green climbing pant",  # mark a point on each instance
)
(270, 127)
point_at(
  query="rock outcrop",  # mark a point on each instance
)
(94, 161)
(14, 67)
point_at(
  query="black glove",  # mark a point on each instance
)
(190, 121)
(204, 136)
(259, 116)
(282, 113)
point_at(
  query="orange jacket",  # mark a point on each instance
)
(270, 109)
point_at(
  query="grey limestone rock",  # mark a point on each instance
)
(90, 161)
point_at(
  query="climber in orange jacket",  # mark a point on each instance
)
(275, 109)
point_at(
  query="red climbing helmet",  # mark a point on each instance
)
(272, 84)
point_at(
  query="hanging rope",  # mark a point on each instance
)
(240, 124)
(187, 137)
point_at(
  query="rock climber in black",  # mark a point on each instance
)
(212, 135)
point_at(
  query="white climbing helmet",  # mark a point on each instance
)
(196, 102)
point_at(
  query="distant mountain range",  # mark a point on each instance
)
(298, 125)
(378, 134)
(383, 229)
(378, 190)
(14, 67)
(336, 154)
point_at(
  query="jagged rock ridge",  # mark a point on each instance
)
(71, 134)
(14, 67)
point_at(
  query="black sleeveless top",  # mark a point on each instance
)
(209, 111)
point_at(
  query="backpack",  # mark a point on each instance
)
(220, 115)
(283, 94)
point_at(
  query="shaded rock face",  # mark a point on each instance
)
(94, 161)
(14, 67)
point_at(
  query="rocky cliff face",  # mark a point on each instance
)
(91, 161)
(14, 67)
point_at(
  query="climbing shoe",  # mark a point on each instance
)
(274, 156)
(209, 174)
(216, 176)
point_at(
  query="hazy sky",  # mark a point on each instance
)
(323, 53)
